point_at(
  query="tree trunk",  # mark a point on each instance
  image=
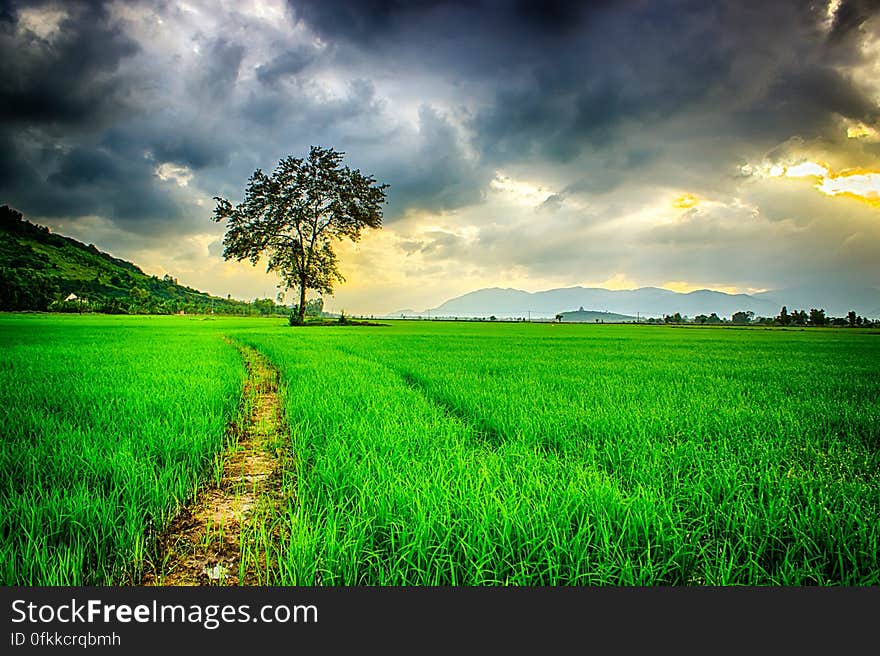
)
(302, 301)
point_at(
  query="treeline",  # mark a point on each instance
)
(813, 317)
(137, 304)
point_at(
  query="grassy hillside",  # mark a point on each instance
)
(39, 269)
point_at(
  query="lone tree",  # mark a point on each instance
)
(293, 217)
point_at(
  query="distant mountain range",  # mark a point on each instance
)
(652, 302)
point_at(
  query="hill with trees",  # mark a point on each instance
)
(41, 270)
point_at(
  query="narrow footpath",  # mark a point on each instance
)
(208, 543)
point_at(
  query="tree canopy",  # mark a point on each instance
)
(293, 216)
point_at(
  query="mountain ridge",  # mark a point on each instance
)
(649, 302)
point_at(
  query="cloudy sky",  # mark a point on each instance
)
(533, 144)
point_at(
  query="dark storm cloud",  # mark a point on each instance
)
(69, 80)
(79, 140)
(372, 21)
(438, 175)
(804, 102)
(582, 92)
(601, 83)
(166, 137)
(650, 66)
(196, 149)
(85, 167)
(96, 181)
(56, 94)
(15, 172)
(363, 22)
(7, 12)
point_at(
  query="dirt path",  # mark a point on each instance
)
(207, 543)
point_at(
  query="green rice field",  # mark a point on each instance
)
(452, 453)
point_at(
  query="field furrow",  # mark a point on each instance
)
(476, 426)
(213, 541)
